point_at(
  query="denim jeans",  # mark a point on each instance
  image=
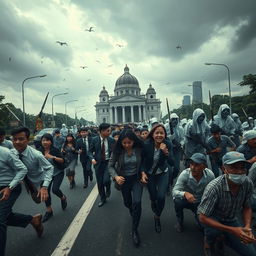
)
(9, 218)
(182, 203)
(103, 179)
(232, 241)
(132, 192)
(55, 185)
(157, 188)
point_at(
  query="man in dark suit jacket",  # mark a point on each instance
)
(83, 146)
(100, 152)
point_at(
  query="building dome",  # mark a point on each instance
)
(151, 90)
(126, 79)
(103, 92)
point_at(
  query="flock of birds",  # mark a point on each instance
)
(91, 29)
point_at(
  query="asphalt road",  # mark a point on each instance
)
(106, 231)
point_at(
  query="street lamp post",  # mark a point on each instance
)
(23, 100)
(229, 87)
(64, 93)
(66, 109)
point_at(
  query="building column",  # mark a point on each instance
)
(132, 116)
(123, 109)
(140, 113)
(116, 121)
(144, 113)
(111, 115)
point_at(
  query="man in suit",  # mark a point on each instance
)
(83, 146)
(100, 151)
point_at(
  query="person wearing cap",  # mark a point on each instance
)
(196, 135)
(224, 120)
(4, 142)
(58, 140)
(238, 130)
(223, 199)
(217, 145)
(189, 188)
(248, 147)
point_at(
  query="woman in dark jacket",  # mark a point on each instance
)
(158, 156)
(54, 156)
(70, 155)
(125, 169)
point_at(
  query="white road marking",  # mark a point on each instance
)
(66, 243)
(119, 244)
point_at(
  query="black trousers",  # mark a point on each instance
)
(87, 171)
(9, 218)
(132, 192)
(55, 185)
(103, 179)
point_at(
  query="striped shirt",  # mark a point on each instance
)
(252, 176)
(218, 202)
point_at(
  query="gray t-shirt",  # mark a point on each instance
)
(130, 164)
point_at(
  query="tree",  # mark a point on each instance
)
(251, 81)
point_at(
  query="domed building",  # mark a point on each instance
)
(128, 104)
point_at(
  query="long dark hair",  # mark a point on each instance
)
(127, 133)
(66, 141)
(150, 135)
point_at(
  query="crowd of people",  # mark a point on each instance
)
(217, 183)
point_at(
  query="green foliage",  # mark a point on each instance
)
(251, 81)
(6, 118)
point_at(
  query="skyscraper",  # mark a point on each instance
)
(186, 100)
(197, 92)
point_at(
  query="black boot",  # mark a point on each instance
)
(157, 224)
(136, 238)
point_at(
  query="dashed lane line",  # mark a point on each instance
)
(66, 243)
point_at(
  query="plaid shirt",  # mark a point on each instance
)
(218, 202)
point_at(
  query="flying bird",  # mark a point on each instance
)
(61, 43)
(10, 58)
(120, 45)
(178, 47)
(90, 29)
(110, 65)
(83, 67)
(98, 61)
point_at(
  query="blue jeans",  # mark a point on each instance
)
(232, 241)
(9, 218)
(103, 179)
(157, 188)
(132, 192)
(182, 203)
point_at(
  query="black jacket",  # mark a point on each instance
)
(81, 145)
(148, 152)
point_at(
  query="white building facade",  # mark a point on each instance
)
(127, 105)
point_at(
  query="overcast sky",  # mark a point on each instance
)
(219, 31)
